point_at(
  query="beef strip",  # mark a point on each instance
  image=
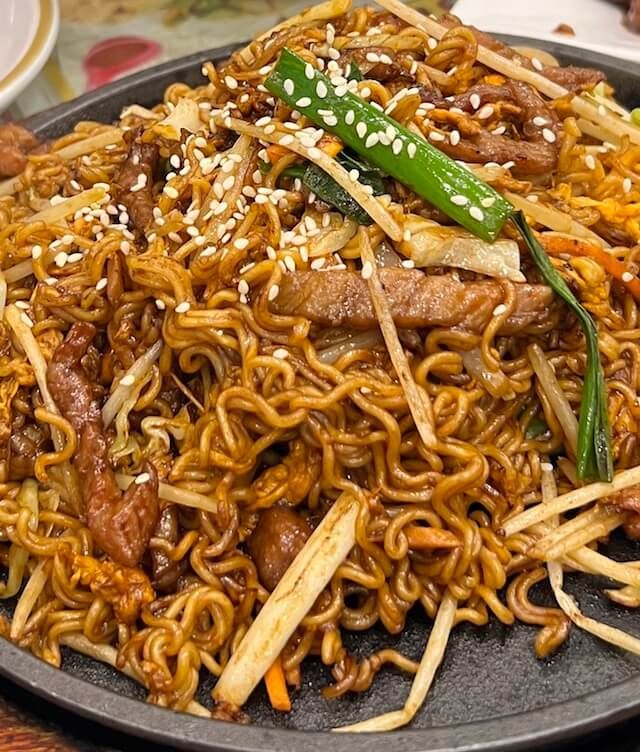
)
(121, 523)
(532, 155)
(165, 571)
(278, 538)
(15, 143)
(341, 298)
(574, 79)
(377, 71)
(141, 159)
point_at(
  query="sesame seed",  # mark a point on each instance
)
(230, 82)
(309, 71)
(74, 257)
(60, 259)
(280, 353)
(318, 263)
(474, 101)
(486, 112)
(289, 86)
(546, 467)
(183, 307)
(142, 478)
(160, 305)
(627, 185)
(412, 150)
(290, 263)
(367, 270)
(499, 309)
(590, 161)
(22, 304)
(533, 198)
(499, 130)
(508, 165)
(170, 191)
(203, 70)
(128, 380)
(432, 43)
(365, 92)
(36, 252)
(303, 102)
(408, 263)
(208, 251)
(361, 129)
(75, 185)
(396, 146)
(436, 136)
(454, 137)
(627, 277)
(536, 64)
(243, 287)
(476, 213)
(488, 202)
(540, 121)
(241, 243)
(321, 89)
(175, 161)
(548, 135)
(67, 239)
(459, 200)
(406, 235)
(330, 120)
(372, 140)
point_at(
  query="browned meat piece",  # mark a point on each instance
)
(628, 500)
(382, 71)
(488, 93)
(572, 78)
(534, 111)
(341, 298)
(121, 523)
(15, 143)
(278, 538)
(165, 571)
(27, 443)
(137, 170)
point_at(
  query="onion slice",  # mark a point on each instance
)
(289, 603)
(176, 495)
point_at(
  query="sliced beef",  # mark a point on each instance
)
(383, 71)
(572, 78)
(165, 571)
(15, 143)
(121, 523)
(134, 180)
(278, 538)
(341, 298)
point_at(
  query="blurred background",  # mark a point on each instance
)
(101, 40)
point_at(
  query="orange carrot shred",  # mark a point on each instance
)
(277, 687)
(557, 244)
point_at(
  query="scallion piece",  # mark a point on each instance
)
(470, 202)
(391, 147)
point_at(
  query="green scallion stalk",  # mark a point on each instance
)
(470, 202)
(391, 147)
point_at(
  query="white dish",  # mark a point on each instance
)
(30, 28)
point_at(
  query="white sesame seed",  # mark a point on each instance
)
(590, 161)
(160, 305)
(459, 200)
(142, 478)
(432, 43)
(280, 353)
(60, 259)
(309, 71)
(365, 92)
(627, 185)
(412, 150)
(290, 263)
(454, 137)
(243, 287)
(488, 202)
(26, 320)
(321, 89)
(627, 277)
(183, 307)
(22, 304)
(36, 252)
(408, 263)
(318, 263)
(546, 467)
(486, 112)
(476, 213)
(548, 135)
(367, 270)
(74, 257)
(533, 198)
(128, 380)
(170, 191)
(361, 129)
(396, 146)
(288, 86)
(499, 309)
(230, 82)
(436, 136)
(372, 140)
(208, 251)
(536, 64)
(175, 161)
(67, 239)
(474, 101)
(540, 121)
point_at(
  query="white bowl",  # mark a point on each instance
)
(29, 31)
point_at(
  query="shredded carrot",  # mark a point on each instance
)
(420, 537)
(330, 145)
(557, 244)
(277, 687)
(276, 152)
